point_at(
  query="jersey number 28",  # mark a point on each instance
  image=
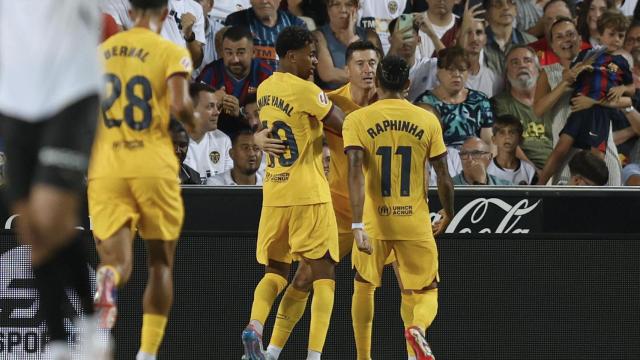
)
(133, 102)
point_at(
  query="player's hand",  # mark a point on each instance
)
(441, 225)
(362, 241)
(187, 20)
(267, 144)
(615, 93)
(581, 102)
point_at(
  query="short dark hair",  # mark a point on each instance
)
(251, 98)
(242, 130)
(393, 73)
(392, 26)
(361, 45)
(176, 126)
(613, 19)
(449, 57)
(503, 121)
(237, 33)
(196, 88)
(570, 6)
(589, 166)
(293, 38)
(560, 20)
(148, 4)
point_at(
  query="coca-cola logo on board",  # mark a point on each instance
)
(492, 215)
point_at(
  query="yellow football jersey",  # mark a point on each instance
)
(397, 138)
(132, 138)
(294, 108)
(339, 165)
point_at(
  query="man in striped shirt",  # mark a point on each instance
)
(265, 22)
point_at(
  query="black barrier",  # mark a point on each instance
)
(560, 280)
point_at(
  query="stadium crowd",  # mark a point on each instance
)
(503, 76)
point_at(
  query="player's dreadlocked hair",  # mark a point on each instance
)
(292, 38)
(393, 73)
(148, 4)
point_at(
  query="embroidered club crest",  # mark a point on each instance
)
(214, 156)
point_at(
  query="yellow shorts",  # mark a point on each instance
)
(152, 206)
(417, 261)
(288, 233)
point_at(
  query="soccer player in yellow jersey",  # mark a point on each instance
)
(362, 58)
(393, 140)
(133, 184)
(297, 220)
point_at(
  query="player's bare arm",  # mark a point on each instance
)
(334, 119)
(356, 196)
(445, 193)
(271, 145)
(179, 100)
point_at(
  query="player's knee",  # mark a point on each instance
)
(303, 280)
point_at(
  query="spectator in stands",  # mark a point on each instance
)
(422, 71)
(476, 156)
(507, 136)
(553, 92)
(208, 147)
(119, 11)
(590, 12)
(250, 113)
(587, 170)
(632, 46)
(529, 16)
(224, 8)
(440, 20)
(246, 158)
(333, 39)
(376, 15)
(313, 12)
(185, 26)
(517, 100)
(473, 40)
(631, 175)
(265, 21)
(180, 138)
(463, 112)
(235, 76)
(501, 35)
(553, 10)
(211, 28)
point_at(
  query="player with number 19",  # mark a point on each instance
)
(133, 173)
(297, 220)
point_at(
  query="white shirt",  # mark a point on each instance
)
(48, 57)
(377, 14)
(522, 175)
(422, 76)
(209, 50)
(628, 7)
(453, 163)
(170, 29)
(210, 156)
(485, 80)
(223, 8)
(225, 179)
(426, 46)
(119, 11)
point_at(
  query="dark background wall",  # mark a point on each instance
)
(547, 294)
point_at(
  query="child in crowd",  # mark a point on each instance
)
(507, 136)
(604, 82)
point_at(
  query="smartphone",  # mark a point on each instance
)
(405, 25)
